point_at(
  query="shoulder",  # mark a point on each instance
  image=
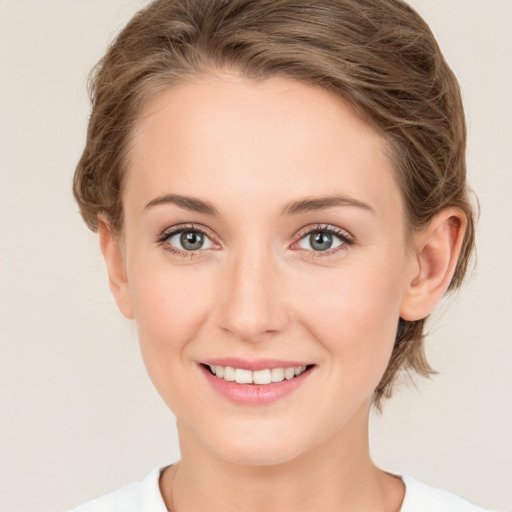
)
(141, 496)
(420, 497)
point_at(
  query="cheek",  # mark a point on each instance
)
(354, 313)
(170, 307)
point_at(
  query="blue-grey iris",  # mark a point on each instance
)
(191, 240)
(320, 241)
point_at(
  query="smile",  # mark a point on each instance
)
(255, 383)
(262, 377)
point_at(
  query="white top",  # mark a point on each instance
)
(145, 497)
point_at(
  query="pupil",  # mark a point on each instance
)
(321, 241)
(192, 241)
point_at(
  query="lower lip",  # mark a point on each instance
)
(254, 394)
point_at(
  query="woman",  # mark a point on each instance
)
(280, 195)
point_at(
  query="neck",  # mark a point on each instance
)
(336, 475)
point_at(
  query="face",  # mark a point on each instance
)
(263, 231)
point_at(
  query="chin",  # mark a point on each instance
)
(257, 445)
(258, 456)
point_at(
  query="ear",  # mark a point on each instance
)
(433, 263)
(112, 252)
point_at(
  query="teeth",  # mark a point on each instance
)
(277, 374)
(229, 374)
(243, 376)
(289, 373)
(267, 376)
(262, 377)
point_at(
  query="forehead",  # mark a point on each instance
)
(275, 138)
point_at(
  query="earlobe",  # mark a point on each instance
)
(437, 250)
(117, 278)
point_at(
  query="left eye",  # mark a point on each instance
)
(321, 240)
(189, 240)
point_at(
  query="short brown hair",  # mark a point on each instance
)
(378, 55)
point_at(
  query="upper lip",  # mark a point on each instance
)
(254, 364)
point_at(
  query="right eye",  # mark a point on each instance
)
(186, 240)
(190, 240)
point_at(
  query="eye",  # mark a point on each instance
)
(324, 238)
(187, 240)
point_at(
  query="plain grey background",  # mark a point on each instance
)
(78, 415)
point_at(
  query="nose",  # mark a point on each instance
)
(251, 303)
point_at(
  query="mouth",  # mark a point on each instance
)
(255, 383)
(261, 377)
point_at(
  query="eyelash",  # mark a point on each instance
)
(168, 233)
(343, 236)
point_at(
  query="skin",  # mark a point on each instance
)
(258, 289)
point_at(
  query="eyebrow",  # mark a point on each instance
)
(188, 203)
(310, 204)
